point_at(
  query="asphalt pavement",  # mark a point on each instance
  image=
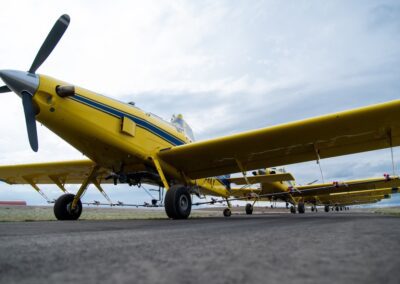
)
(272, 248)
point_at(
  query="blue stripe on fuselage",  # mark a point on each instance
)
(139, 122)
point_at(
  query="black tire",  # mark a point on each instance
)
(178, 203)
(326, 208)
(292, 209)
(62, 208)
(249, 209)
(227, 212)
(301, 208)
(312, 208)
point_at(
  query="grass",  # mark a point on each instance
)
(45, 213)
(395, 211)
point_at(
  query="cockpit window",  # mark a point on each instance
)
(181, 125)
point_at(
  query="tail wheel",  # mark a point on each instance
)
(249, 209)
(63, 208)
(178, 203)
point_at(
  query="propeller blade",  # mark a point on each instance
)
(50, 42)
(4, 89)
(30, 120)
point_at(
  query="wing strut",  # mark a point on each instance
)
(241, 168)
(161, 173)
(98, 186)
(318, 161)
(33, 184)
(390, 138)
(58, 182)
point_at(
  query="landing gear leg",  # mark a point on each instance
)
(69, 206)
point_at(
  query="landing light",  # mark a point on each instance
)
(65, 91)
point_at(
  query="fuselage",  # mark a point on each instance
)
(93, 124)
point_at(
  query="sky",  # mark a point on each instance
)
(227, 66)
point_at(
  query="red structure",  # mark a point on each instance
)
(13, 203)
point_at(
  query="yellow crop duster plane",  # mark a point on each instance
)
(127, 145)
(276, 184)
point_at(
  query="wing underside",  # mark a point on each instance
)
(68, 172)
(364, 129)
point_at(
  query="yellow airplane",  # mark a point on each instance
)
(125, 144)
(276, 184)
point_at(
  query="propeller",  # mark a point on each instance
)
(17, 80)
(50, 42)
(30, 120)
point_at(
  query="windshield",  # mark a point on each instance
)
(181, 124)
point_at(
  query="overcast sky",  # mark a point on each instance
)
(227, 66)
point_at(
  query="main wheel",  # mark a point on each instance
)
(178, 203)
(227, 212)
(326, 208)
(312, 208)
(301, 208)
(292, 209)
(63, 210)
(249, 209)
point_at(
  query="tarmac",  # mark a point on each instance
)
(271, 248)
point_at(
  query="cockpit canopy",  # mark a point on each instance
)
(177, 122)
(181, 125)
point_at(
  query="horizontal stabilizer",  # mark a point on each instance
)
(262, 179)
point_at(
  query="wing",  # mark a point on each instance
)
(353, 131)
(362, 185)
(68, 172)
